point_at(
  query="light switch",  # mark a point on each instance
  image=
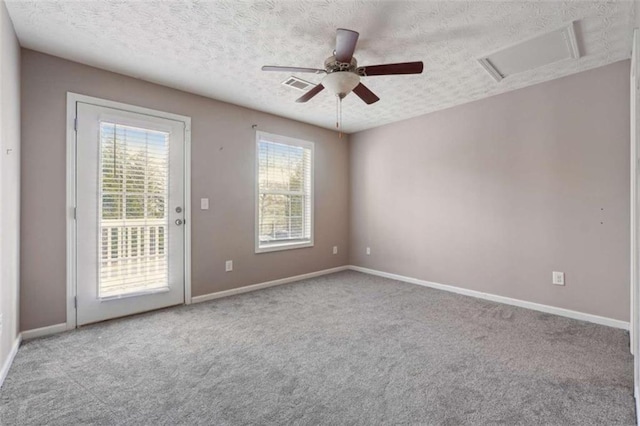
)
(204, 204)
(557, 278)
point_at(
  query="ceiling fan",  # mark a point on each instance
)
(342, 71)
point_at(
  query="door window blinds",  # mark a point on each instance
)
(284, 193)
(133, 220)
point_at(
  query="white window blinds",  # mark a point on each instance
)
(133, 220)
(284, 205)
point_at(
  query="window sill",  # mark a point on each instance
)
(283, 246)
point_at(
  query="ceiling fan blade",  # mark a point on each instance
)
(391, 69)
(311, 93)
(365, 94)
(292, 69)
(345, 44)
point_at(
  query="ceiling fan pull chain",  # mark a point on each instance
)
(339, 115)
(340, 103)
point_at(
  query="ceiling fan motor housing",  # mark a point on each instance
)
(331, 64)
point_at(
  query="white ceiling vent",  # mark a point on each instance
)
(298, 83)
(541, 50)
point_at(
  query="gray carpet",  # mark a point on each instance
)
(346, 348)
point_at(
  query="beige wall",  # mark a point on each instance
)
(496, 194)
(222, 170)
(490, 196)
(9, 182)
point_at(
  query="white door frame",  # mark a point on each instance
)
(72, 100)
(633, 151)
(634, 320)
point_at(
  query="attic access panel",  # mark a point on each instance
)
(533, 53)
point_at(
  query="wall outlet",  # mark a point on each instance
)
(204, 204)
(368, 251)
(558, 278)
(335, 249)
(228, 265)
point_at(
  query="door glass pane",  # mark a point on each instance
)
(134, 175)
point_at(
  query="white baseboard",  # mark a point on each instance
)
(7, 363)
(500, 299)
(59, 328)
(44, 331)
(254, 287)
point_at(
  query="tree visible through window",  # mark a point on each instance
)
(133, 185)
(284, 192)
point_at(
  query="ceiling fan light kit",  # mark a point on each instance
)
(341, 83)
(343, 74)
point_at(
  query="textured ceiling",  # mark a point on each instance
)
(216, 48)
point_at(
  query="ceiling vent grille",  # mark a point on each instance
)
(298, 83)
(535, 52)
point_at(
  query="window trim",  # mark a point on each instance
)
(286, 140)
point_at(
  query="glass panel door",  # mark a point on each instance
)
(130, 212)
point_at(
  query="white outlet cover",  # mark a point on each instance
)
(335, 249)
(368, 251)
(228, 266)
(204, 204)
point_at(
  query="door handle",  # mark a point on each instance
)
(179, 222)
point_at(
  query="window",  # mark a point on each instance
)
(284, 193)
